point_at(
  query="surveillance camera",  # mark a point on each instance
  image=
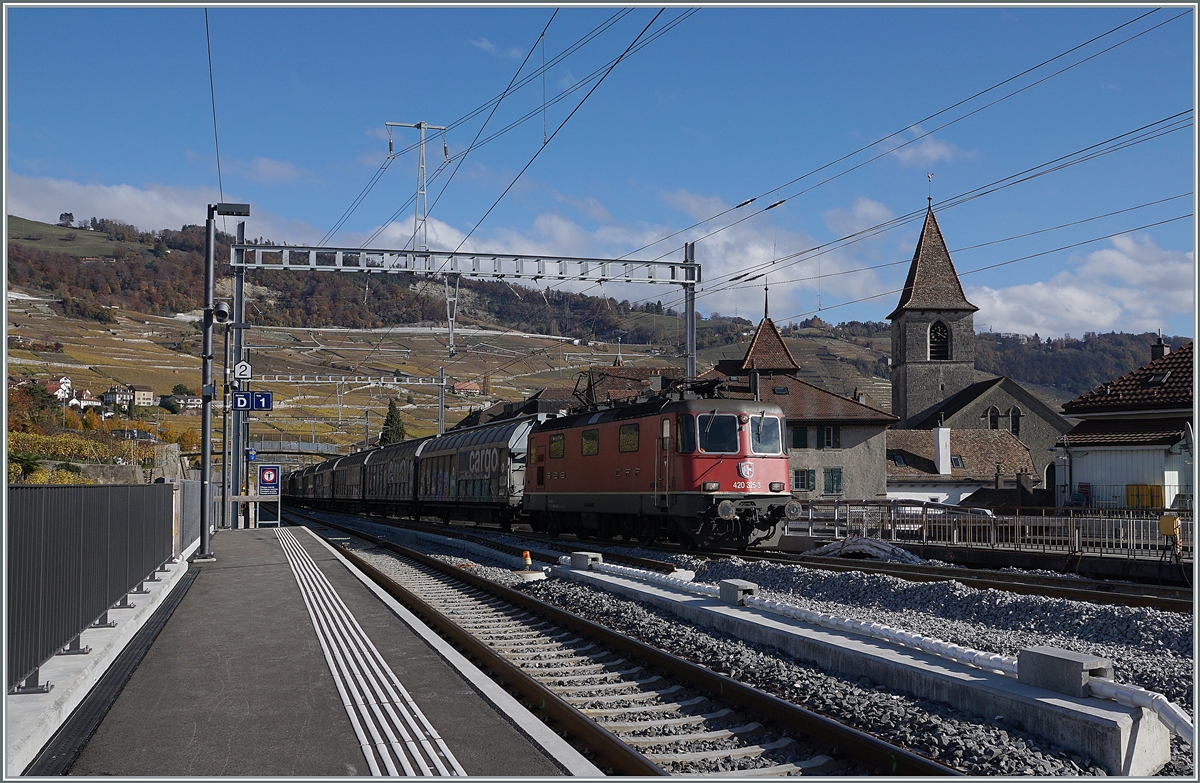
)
(221, 312)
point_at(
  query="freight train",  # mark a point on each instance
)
(702, 472)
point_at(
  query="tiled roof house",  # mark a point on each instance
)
(835, 444)
(1135, 445)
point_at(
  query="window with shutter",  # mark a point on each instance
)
(799, 437)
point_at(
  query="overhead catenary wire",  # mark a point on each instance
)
(629, 50)
(955, 105)
(1056, 164)
(1097, 38)
(561, 125)
(493, 102)
(212, 91)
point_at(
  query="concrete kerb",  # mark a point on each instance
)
(1124, 740)
(32, 719)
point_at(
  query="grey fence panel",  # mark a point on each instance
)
(73, 551)
(189, 512)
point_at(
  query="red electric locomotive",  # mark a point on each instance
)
(700, 471)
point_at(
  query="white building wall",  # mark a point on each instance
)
(935, 493)
(1110, 470)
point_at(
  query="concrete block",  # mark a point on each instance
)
(584, 560)
(1123, 740)
(734, 590)
(1061, 671)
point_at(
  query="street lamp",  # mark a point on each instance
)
(206, 358)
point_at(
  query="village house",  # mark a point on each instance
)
(1135, 446)
(59, 388)
(117, 396)
(836, 445)
(83, 399)
(143, 396)
(945, 465)
(465, 388)
(187, 402)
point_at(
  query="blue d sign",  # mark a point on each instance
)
(242, 401)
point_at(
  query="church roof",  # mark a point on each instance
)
(975, 392)
(979, 450)
(768, 351)
(932, 283)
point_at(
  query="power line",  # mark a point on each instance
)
(556, 130)
(911, 126)
(1004, 263)
(1081, 221)
(471, 146)
(212, 91)
(493, 102)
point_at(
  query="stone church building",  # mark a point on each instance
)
(933, 363)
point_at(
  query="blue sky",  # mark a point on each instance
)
(109, 113)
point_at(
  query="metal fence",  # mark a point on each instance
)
(1127, 532)
(1177, 497)
(73, 552)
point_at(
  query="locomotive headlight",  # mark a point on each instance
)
(746, 470)
(710, 486)
(725, 510)
(793, 510)
(776, 486)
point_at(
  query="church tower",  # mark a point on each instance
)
(933, 330)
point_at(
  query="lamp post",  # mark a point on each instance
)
(206, 358)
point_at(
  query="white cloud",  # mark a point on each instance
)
(150, 209)
(863, 213)
(265, 170)
(484, 44)
(588, 205)
(925, 151)
(1133, 286)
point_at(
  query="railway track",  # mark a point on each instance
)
(641, 710)
(1170, 599)
(1165, 598)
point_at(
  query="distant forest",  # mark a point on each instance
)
(162, 273)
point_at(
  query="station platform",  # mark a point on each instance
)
(283, 659)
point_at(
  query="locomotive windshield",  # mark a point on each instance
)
(718, 433)
(764, 434)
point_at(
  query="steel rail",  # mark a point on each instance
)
(647, 564)
(868, 749)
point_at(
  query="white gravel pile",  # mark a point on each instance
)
(1148, 647)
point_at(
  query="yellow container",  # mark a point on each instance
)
(1143, 496)
(1168, 525)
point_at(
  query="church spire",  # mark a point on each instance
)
(766, 299)
(932, 282)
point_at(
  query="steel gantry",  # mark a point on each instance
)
(495, 266)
